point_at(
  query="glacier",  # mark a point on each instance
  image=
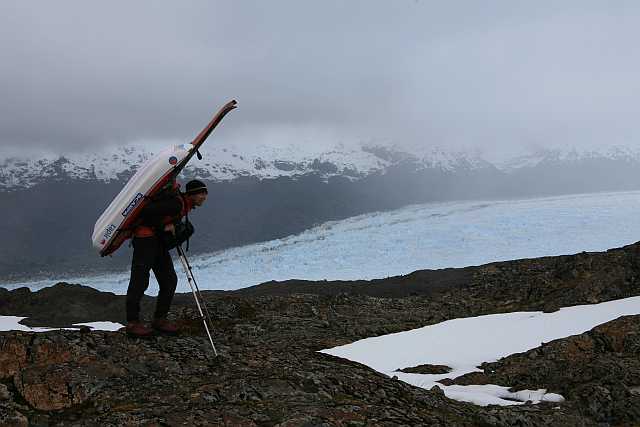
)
(425, 236)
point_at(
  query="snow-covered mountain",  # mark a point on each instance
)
(569, 155)
(225, 163)
(259, 193)
(228, 162)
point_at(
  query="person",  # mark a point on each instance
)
(150, 252)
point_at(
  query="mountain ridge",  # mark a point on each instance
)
(52, 206)
(227, 163)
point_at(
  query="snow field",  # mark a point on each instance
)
(464, 344)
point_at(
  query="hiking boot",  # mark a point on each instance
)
(165, 326)
(138, 329)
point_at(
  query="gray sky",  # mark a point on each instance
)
(494, 75)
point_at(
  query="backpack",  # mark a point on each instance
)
(183, 231)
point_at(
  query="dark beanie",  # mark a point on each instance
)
(195, 186)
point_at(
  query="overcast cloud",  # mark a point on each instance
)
(492, 75)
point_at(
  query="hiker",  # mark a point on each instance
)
(151, 252)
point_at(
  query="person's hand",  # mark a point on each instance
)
(170, 228)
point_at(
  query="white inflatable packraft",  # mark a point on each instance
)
(116, 223)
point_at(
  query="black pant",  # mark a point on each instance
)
(150, 254)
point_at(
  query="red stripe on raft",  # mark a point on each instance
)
(202, 136)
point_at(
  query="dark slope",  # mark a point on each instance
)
(270, 373)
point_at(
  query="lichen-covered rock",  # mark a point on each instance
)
(51, 387)
(270, 373)
(13, 353)
(10, 417)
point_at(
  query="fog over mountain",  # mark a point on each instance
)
(487, 76)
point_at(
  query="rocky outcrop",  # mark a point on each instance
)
(552, 282)
(48, 371)
(598, 372)
(271, 374)
(266, 375)
(10, 416)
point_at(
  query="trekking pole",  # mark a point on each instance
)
(196, 295)
(203, 303)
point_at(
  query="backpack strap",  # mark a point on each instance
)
(185, 207)
(186, 218)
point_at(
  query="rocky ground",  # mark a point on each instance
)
(270, 373)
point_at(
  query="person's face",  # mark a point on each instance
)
(199, 199)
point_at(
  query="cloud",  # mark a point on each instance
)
(489, 75)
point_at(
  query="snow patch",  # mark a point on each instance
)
(12, 323)
(465, 343)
